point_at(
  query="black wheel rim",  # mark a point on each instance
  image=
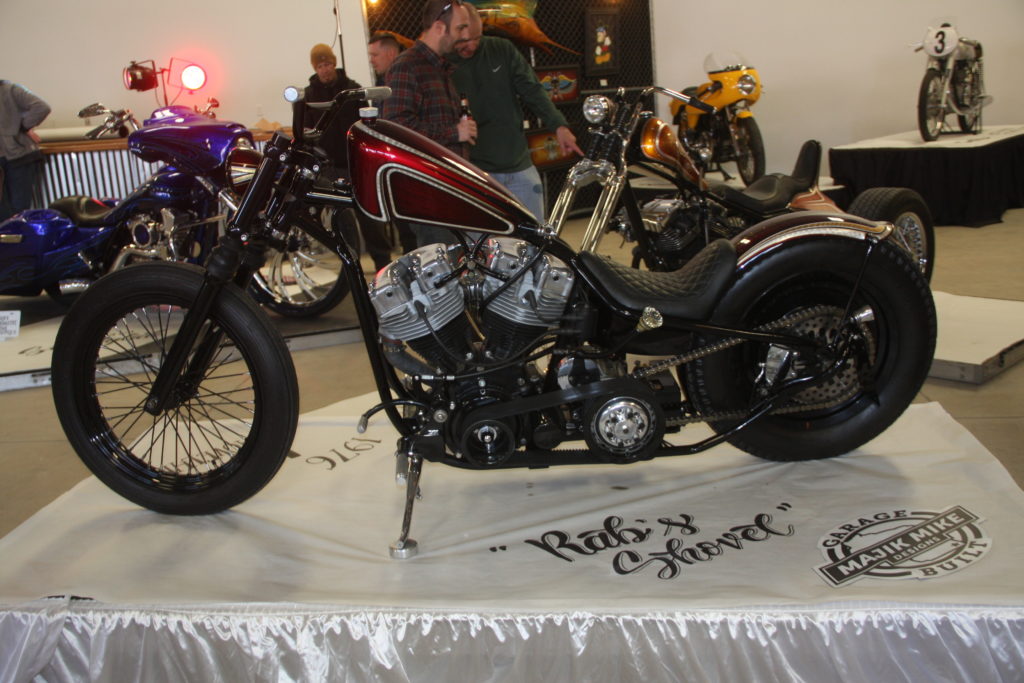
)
(197, 443)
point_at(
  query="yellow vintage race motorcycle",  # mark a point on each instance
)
(730, 133)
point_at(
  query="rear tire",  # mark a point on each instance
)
(879, 379)
(967, 83)
(222, 440)
(907, 210)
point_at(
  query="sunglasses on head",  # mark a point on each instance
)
(447, 8)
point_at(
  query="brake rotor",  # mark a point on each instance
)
(821, 328)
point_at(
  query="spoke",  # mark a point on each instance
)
(203, 434)
(213, 428)
(136, 410)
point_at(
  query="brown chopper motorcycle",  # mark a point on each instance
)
(669, 230)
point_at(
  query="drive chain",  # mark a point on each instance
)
(681, 359)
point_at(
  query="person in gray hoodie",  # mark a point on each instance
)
(21, 162)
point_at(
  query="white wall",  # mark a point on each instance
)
(834, 70)
(71, 53)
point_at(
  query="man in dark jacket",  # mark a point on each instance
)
(327, 82)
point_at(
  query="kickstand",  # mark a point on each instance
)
(405, 547)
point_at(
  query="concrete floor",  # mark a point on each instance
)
(38, 464)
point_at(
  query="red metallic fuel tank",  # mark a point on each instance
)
(399, 174)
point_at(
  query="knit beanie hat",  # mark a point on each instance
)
(322, 53)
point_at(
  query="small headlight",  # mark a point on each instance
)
(292, 93)
(597, 108)
(747, 84)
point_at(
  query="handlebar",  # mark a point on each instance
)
(685, 99)
(114, 123)
(294, 93)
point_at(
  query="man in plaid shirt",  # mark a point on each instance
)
(423, 96)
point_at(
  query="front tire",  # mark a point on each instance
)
(907, 210)
(930, 113)
(891, 352)
(750, 158)
(225, 436)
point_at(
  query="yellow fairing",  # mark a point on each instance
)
(729, 93)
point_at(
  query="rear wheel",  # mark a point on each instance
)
(891, 338)
(930, 112)
(967, 87)
(908, 211)
(225, 433)
(749, 149)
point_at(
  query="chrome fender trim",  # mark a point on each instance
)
(768, 235)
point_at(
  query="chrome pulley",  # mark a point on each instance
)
(489, 442)
(483, 440)
(624, 427)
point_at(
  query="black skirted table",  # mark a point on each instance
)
(965, 179)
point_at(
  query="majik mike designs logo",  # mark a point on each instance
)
(903, 544)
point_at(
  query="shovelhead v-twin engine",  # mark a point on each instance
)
(515, 293)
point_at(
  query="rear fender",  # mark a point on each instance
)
(774, 233)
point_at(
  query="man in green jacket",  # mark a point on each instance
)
(498, 82)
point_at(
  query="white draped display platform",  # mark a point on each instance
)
(911, 139)
(898, 562)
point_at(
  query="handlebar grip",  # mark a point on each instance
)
(372, 93)
(700, 104)
(376, 93)
(96, 132)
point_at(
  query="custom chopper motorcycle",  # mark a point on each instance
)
(728, 132)
(177, 214)
(669, 229)
(804, 337)
(953, 83)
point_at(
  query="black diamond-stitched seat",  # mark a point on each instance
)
(773, 192)
(690, 292)
(84, 211)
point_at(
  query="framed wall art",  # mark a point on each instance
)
(601, 36)
(545, 152)
(561, 83)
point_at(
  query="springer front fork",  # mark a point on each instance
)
(193, 347)
(235, 259)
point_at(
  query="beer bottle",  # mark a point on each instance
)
(464, 112)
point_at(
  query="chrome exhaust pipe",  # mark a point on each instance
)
(156, 253)
(73, 286)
